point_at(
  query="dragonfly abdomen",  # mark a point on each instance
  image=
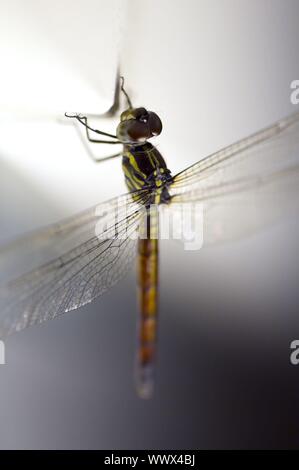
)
(144, 167)
(147, 260)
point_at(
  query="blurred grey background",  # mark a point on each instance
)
(214, 71)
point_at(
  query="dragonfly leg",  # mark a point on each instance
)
(124, 92)
(119, 86)
(90, 153)
(83, 121)
(112, 111)
(115, 106)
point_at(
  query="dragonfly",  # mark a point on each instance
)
(241, 188)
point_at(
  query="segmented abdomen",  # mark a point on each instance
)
(147, 259)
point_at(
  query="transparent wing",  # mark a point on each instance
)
(247, 185)
(67, 265)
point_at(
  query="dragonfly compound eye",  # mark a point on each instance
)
(133, 131)
(155, 124)
(138, 125)
(142, 115)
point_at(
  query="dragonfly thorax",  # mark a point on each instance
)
(137, 125)
(144, 166)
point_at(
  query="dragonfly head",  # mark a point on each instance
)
(137, 125)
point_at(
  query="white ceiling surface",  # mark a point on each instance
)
(57, 56)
